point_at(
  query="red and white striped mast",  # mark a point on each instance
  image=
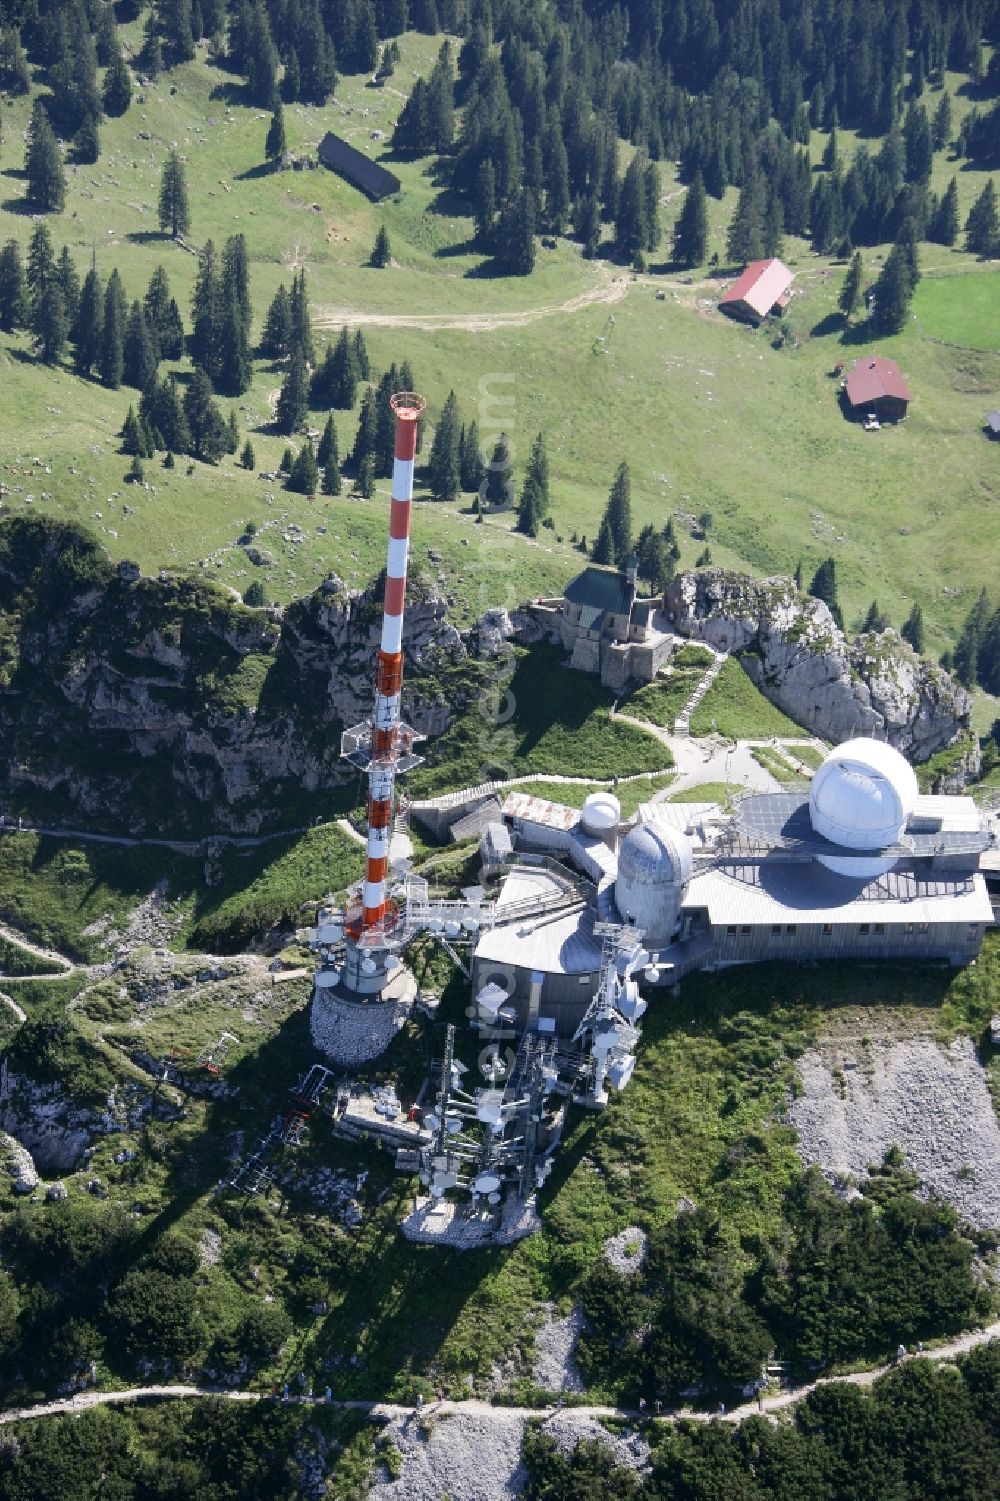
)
(383, 745)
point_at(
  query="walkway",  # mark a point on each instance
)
(84, 1400)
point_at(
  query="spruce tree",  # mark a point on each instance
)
(293, 398)
(236, 275)
(209, 434)
(206, 312)
(133, 440)
(364, 363)
(41, 262)
(366, 438)
(174, 214)
(941, 126)
(485, 204)
(913, 629)
(86, 142)
(332, 484)
(13, 288)
(43, 164)
(69, 284)
(892, 294)
(366, 477)
(139, 352)
(117, 92)
(849, 300)
(112, 360)
(136, 474)
(248, 459)
(232, 431)
(470, 460)
(969, 642)
(328, 449)
(943, 229)
(443, 471)
(381, 252)
(163, 317)
(301, 334)
(499, 493)
(982, 227)
(533, 506)
(917, 144)
(745, 238)
(385, 422)
(275, 146)
(614, 539)
(51, 323)
(875, 620)
(631, 224)
(557, 199)
(691, 231)
(276, 338)
(515, 235)
(304, 475)
(344, 388)
(235, 365)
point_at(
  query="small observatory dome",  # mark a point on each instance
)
(601, 814)
(862, 795)
(654, 867)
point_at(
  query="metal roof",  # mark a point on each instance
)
(760, 286)
(604, 589)
(993, 422)
(561, 944)
(781, 891)
(358, 169)
(539, 810)
(872, 378)
(781, 819)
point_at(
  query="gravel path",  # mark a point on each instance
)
(932, 1102)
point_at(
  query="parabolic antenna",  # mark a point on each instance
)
(452, 1122)
(368, 966)
(493, 1199)
(452, 929)
(486, 1183)
(432, 1121)
(651, 973)
(325, 978)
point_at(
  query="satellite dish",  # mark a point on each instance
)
(431, 1120)
(368, 966)
(471, 925)
(325, 978)
(452, 929)
(437, 1190)
(425, 1179)
(453, 1122)
(436, 926)
(490, 1112)
(493, 1199)
(651, 973)
(486, 1183)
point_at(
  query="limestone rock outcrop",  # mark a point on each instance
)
(793, 650)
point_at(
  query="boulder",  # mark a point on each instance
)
(835, 687)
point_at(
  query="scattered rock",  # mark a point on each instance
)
(626, 1251)
(554, 1367)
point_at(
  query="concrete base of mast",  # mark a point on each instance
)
(355, 1014)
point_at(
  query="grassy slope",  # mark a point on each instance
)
(734, 707)
(708, 414)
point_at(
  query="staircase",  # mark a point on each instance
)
(682, 724)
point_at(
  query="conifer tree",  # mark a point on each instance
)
(235, 365)
(163, 317)
(248, 459)
(344, 387)
(140, 356)
(533, 506)
(514, 238)
(301, 334)
(43, 164)
(117, 92)
(982, 227)
(86, 142)
(614, 539)
(162, 410)
(328, 443)
(13, 288)
(112, 360)
(276, 338)
(443, 470)
(941, 126)
(691, 231)
(41, 262)
(745, 239)
(381, 252)
(364, 363)
(557, 199)
(943, 229)
(206, 312)
(51, 323)
(470, 461)
(366, 477)
(304, 475)
(232, 432)
(135, 475)
(366, 438)
(587, 223)
(174, 214)
(385, 422)
(892, 294)
(178, 33)
(875, 620)
(209, 434)
(486, 204)
(499, 491)
(275, 146)
(917, 145)
(69, 284)
(631, 224)
(849, 300)
(293, 398)
(133, 439)
(236, 275)
(913, 629)
(969, 642)
(332, 483)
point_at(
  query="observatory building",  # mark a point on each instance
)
(861, 867)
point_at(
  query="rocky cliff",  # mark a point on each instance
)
(793, 650)
(167, 705)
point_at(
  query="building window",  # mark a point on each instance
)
(791, 928)
(745, 928)
(908, 929)
(776, 927)
(827, 929)
(731, 930)
(923, 927)
(973, 930)
(880, 927)
(865, 929)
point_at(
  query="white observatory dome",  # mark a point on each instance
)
(601, 814)
(862, 795)
(654, 867)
